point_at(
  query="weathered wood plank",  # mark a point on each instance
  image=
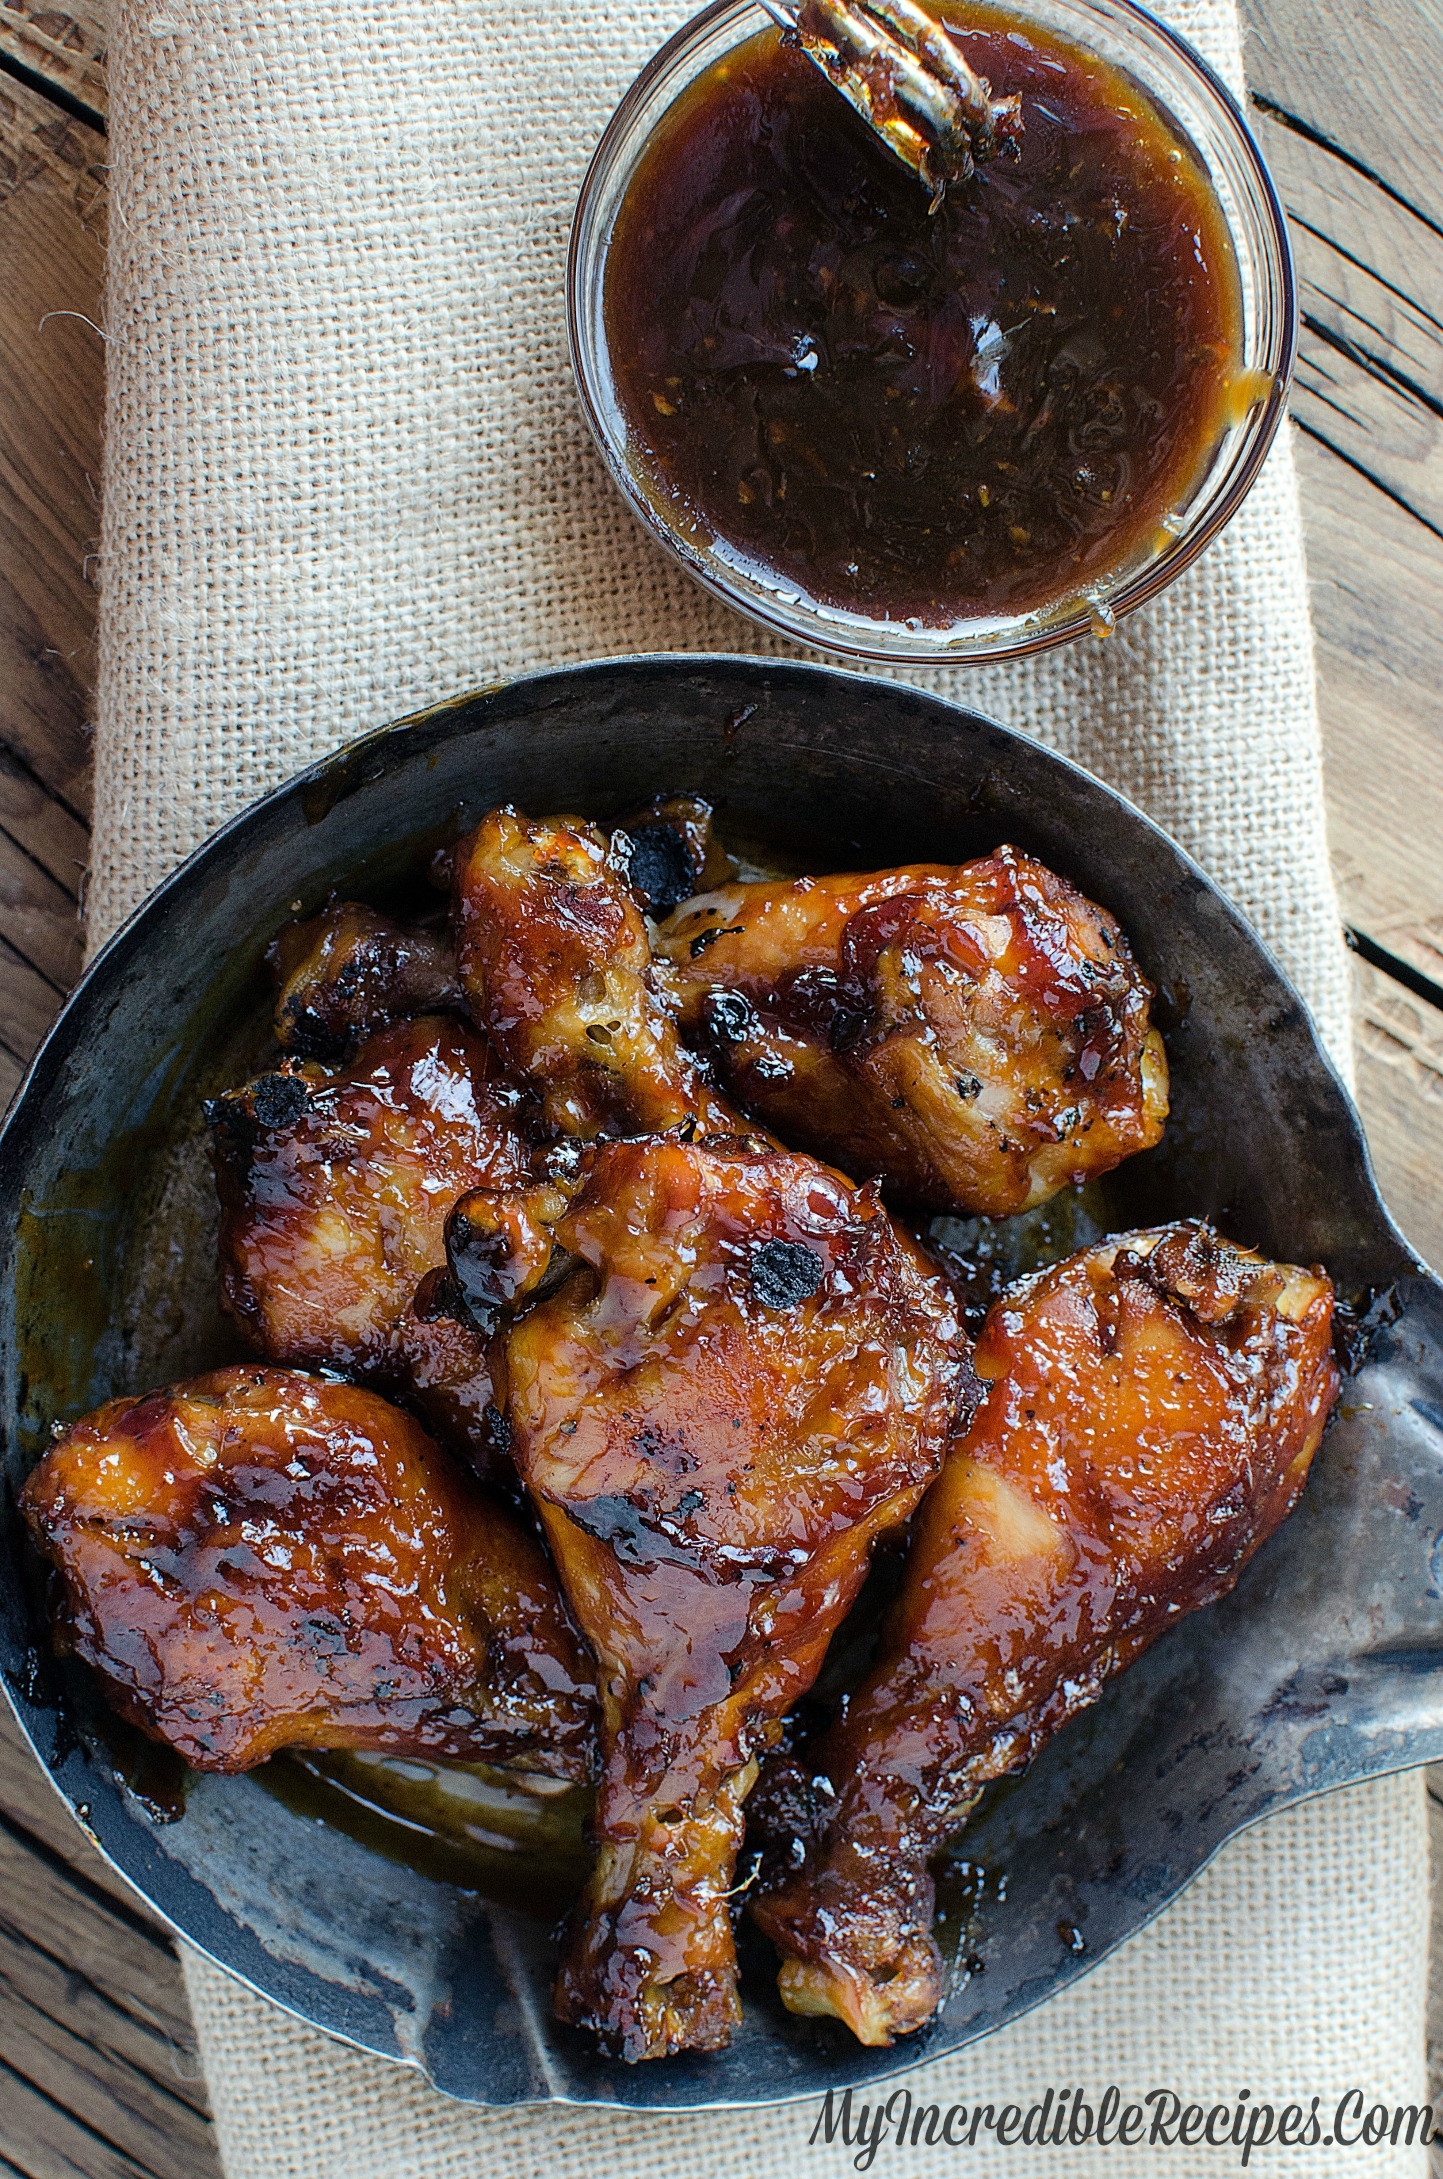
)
(1399, 1049)
(1370, 357)
(47, 1905)
(63, 45)
(124, 2102)
(42, 827)
(29, 1801)
(51, 377)
(140, 2089)
(52, 210)
(98, 2067)
(47, 2142)
(12, 1073)
(1361, 77)
(1377, 585)
(39, 915)
(57, 1992)
(1353, 147)
(44, 697)
(28, 1005)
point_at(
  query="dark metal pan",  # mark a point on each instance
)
(1320, 1669)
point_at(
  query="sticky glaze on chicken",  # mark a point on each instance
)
(977, 1036)
(1152, 1408)
(259, 1560)
(745, 1375)
(335, 1185)
(348, 972)
(556, 963)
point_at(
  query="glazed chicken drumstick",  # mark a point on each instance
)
(555, 961)
(977, 1037)
(1151, 1410)
(744, 1376)
(259, 1559)
(335, 1184)
(344, 974)
(733, 1374)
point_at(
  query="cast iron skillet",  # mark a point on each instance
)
(1319, 1670)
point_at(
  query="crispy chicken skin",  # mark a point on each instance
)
(334, 1187)
(1153, 1405)
(669, 851)
(345, 973)
(556, 963)
(976, 1036)
(260, 1559)
(744, 1375)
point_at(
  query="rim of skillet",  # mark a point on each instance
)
(338, 769)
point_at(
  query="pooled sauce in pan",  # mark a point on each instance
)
(518, 1841)
(989, 409)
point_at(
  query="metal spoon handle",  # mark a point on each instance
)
(897, 67)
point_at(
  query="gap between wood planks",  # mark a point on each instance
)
(58, 52)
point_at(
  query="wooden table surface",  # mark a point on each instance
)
(97, 2064)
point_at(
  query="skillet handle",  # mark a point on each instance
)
(1380, 1550)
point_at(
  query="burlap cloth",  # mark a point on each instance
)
(346, 475)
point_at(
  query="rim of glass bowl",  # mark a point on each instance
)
(1275, 337)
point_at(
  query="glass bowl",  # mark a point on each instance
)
(1203, 114)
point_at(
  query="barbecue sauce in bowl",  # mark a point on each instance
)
(994, 409)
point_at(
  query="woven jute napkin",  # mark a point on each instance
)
(346, 475)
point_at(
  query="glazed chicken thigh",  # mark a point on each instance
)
(335, 1184)
(977, 1036)
(744, 1375)
(1152, 1407)
(259, 1559)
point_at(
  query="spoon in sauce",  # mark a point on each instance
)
(907, 79)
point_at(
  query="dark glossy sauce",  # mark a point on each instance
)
(519, 1842)
(983, 411)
